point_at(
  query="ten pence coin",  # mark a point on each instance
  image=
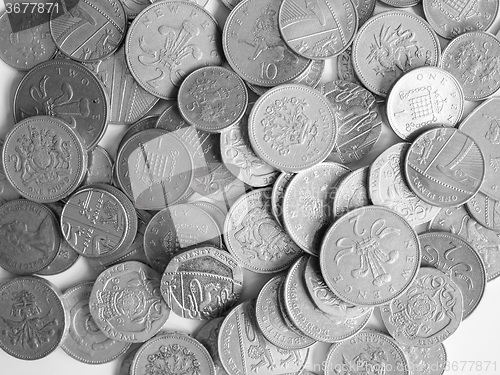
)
(292, 127)
(369, 256)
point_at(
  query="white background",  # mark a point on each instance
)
(474, 344)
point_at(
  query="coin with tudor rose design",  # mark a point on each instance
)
(427, 313)
(445, 167)
(44, 159)
(126, 302)
(292, 127)
(369, 256)
(169, 40)
(424, 98)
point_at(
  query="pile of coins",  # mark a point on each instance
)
(227, 180)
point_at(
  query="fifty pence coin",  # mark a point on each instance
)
(319, 33)
(126, 302)
(29, 236)
(428, 313)
(33, 316)
(351, 192)
(90, 30)
(388, 188)
(44, 159)
(459, 261)
(390, 44)
(445, 167)
(358, 122)
(202, 283)
(254, 48)
(255, 238)
(308, 202)
(208, 336)
(85, 342)
(292, 127)
(171, 353)
(369, 256)
(241, 347)
(69, 91)
(485, 210)
(431, 360)
(100, 167)
(212, 99)
(422, 99)
(168, 41)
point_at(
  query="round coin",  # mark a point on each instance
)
(133, 7)
(352, 192)
(208, 336)
(428, 313)
(444, 167)
(33, 317)
(345, 69)
(254, 48)
(85, 342)
(459, 261)
(377, 61)
(212, 98)
(7, 191)
(167, 352)
(44, 159)
(485, 210)
(169, 40)
(29, 236)
(388, 188)
(214, 211)
(367, 352)
(202, 283)
(278, 195)
(430, 361)
(440, 98)
(308, 202)
(126, 302)
(369, 256)
(147, 122)
(292, 127)
(69, 91)
(89, 30)
(319, 33)
(255, 238)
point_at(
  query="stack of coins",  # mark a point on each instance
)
(256, 161)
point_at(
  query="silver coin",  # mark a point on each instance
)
(254, 48)
(483, 125)
(7, 191)
(243, 348)
(485, 241)
(178, 227)
(208, 336)
(171, 353)
(201, 3)
(387, 187)
(450, 19)
(148, 122)
(345, 69)
(271, 321)
(133, 7)
(401, 3)
(34, 319)
(26, 48)
(212, 99)
(278, 195)
(444, 167)
(292, 127)
(390, 44)
(368, 352)
(167, 41)
(485, 210)
(202, 283)
(308, 202)
(428, 361)
(29, 236)
(255, 238)
(240, 159)
(428, 313)
(44, 159)
(69, 91)
(127, 360)
(85, 342)
(320, 30)
(369, 256)
(358, 121)
(100, 167)
(90, 30)
(364, 10)
(126, 302)
(352, 192)
(422, 99)
(312, 321)
(128, 102)
(214, 211)
(459, 261)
